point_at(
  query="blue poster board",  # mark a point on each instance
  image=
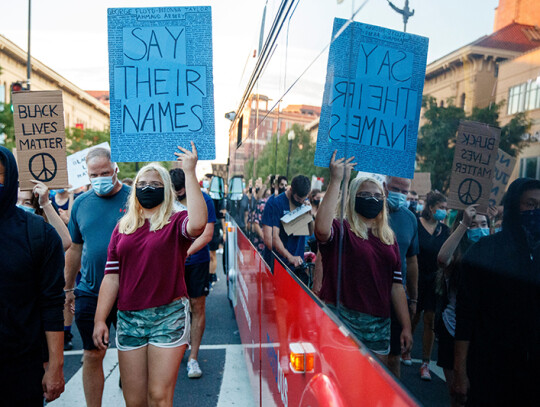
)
(372, 98)
(161, 82)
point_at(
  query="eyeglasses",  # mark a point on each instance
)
(368, 195)
(153, 184)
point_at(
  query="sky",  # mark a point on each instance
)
(70, 36)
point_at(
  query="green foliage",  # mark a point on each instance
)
(435, 151)
(6, 125)
(273, 158)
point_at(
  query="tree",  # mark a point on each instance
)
(273, 158)
(435, 150)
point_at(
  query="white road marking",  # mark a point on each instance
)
(235, 380)
(73, 394)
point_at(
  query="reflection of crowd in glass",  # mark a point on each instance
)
(472, 279)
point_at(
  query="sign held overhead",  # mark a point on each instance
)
(474, 165)
(372, 98)
(38, 119)
(161, 86)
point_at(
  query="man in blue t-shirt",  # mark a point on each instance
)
(290, 248)
(93, 218)
(197, 271)
(404, 224)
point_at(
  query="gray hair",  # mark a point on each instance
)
(99, 152)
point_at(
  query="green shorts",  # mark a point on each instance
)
(374, 332)
(166, 326)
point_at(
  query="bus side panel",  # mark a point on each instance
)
(247, 307)
(273, 356)
(356, 375)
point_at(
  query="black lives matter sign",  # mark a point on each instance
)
(40, 139)
(474, 165)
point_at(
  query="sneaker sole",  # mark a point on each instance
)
(426, 379)
(194, 376)
(407, 362)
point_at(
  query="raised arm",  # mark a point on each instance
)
(449, 247)
(196, 207)
(42, 192)
(327, 208)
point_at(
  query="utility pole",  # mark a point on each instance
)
(28, 62)
(406, 12)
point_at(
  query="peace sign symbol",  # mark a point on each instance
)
(469, 191)
(43, 167)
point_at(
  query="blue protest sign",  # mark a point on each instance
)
(161, 82)
(372, 98)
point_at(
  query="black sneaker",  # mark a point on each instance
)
(68, 336)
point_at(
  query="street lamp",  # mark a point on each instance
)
(290, 137)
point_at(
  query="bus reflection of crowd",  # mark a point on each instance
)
(472, 278)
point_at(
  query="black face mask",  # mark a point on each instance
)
(295, 202)
(180, 197)
(257, 190)
(369, 208)
(150, 197)
(412, 206)
(316, 202)
(281, 190)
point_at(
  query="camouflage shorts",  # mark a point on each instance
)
(374, 332)
(166, 326)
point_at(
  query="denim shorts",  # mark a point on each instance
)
(374, 332)
(166, 326)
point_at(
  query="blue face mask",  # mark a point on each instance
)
(440, 214)
(60, 191)
(206, 184)
(102, 185)
(497, 230)
(419, 207)
(476, 234)
(396, 200)
(26, 208)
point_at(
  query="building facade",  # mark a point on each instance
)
(80, 108)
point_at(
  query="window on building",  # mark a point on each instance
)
(530, 167)
(522, 97)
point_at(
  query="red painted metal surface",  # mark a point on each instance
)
(282, 312)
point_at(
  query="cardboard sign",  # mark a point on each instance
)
(474, 165)
(161, 82)
(296, 222)
(38, 118)
(504, 167)
(372, 98)
(421, 183)
(76, 166)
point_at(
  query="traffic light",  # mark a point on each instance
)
(15, 87)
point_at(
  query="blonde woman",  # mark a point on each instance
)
(370, 266)
(145, 271)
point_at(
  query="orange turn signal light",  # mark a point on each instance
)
(301, 357)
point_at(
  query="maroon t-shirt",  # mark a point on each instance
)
(369, 267)
(150, 264)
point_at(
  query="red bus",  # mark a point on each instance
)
(297, 351)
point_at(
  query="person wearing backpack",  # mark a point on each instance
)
(31, 299)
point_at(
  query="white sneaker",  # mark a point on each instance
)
(193, 369)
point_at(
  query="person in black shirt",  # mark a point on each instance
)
(432, 233)
(31, 299)
(497, 347)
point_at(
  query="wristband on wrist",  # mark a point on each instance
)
(415, 301)
(69, 290)
(49, 202)
(461, 223)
